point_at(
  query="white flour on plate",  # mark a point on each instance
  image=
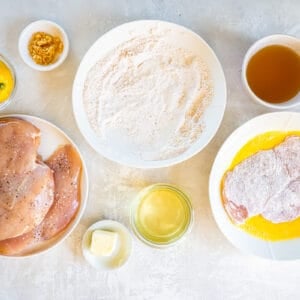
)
(147, 96)
(266, 183)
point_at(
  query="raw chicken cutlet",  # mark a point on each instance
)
(19, 142)
(66, 164)
(25, 200)
(26, 184)
(267, 183)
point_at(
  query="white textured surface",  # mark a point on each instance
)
(205, 265)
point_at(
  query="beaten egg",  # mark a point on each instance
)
(258, 226)
(7, 82)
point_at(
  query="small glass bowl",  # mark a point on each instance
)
(11, 69)
(135, 205)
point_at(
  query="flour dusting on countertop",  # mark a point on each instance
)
(148, 96)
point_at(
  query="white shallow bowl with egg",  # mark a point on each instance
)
(48, 27)
(278, 250)
(181, 37)
(52, 138)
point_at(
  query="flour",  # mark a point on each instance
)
(148, 96)
(266, 183)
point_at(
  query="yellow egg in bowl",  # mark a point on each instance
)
(268, 225)
(7, 82)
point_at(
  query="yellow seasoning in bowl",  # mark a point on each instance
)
(45, 48)
(161, 215)
(7, 82)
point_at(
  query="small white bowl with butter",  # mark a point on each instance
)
(106, 245)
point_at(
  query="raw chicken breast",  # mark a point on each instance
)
(26, 186)
(25, 200)
(19, 141)
(66, 164)
(253, 182)
(266, 183)
(289, 154)
(284, 206)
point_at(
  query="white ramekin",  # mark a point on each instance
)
(50, 28)
(277, 39)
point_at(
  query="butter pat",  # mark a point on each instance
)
(103, 242)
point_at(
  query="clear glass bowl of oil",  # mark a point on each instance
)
(7, 82)
(161, 215)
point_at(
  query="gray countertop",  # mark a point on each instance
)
(205, 265)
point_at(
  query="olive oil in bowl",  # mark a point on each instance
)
(161, 214)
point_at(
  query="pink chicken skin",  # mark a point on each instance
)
(66, 165)
(19, 142)
(26, 183)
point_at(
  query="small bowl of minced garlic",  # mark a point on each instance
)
(43, 45)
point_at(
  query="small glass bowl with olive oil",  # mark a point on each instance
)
(7, 82)
(271, 71)
(161, 215)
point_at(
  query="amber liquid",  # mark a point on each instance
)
(273, 74)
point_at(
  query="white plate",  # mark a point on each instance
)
(51, 138)
(121, 253)
(183, 38)
(280, 121)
